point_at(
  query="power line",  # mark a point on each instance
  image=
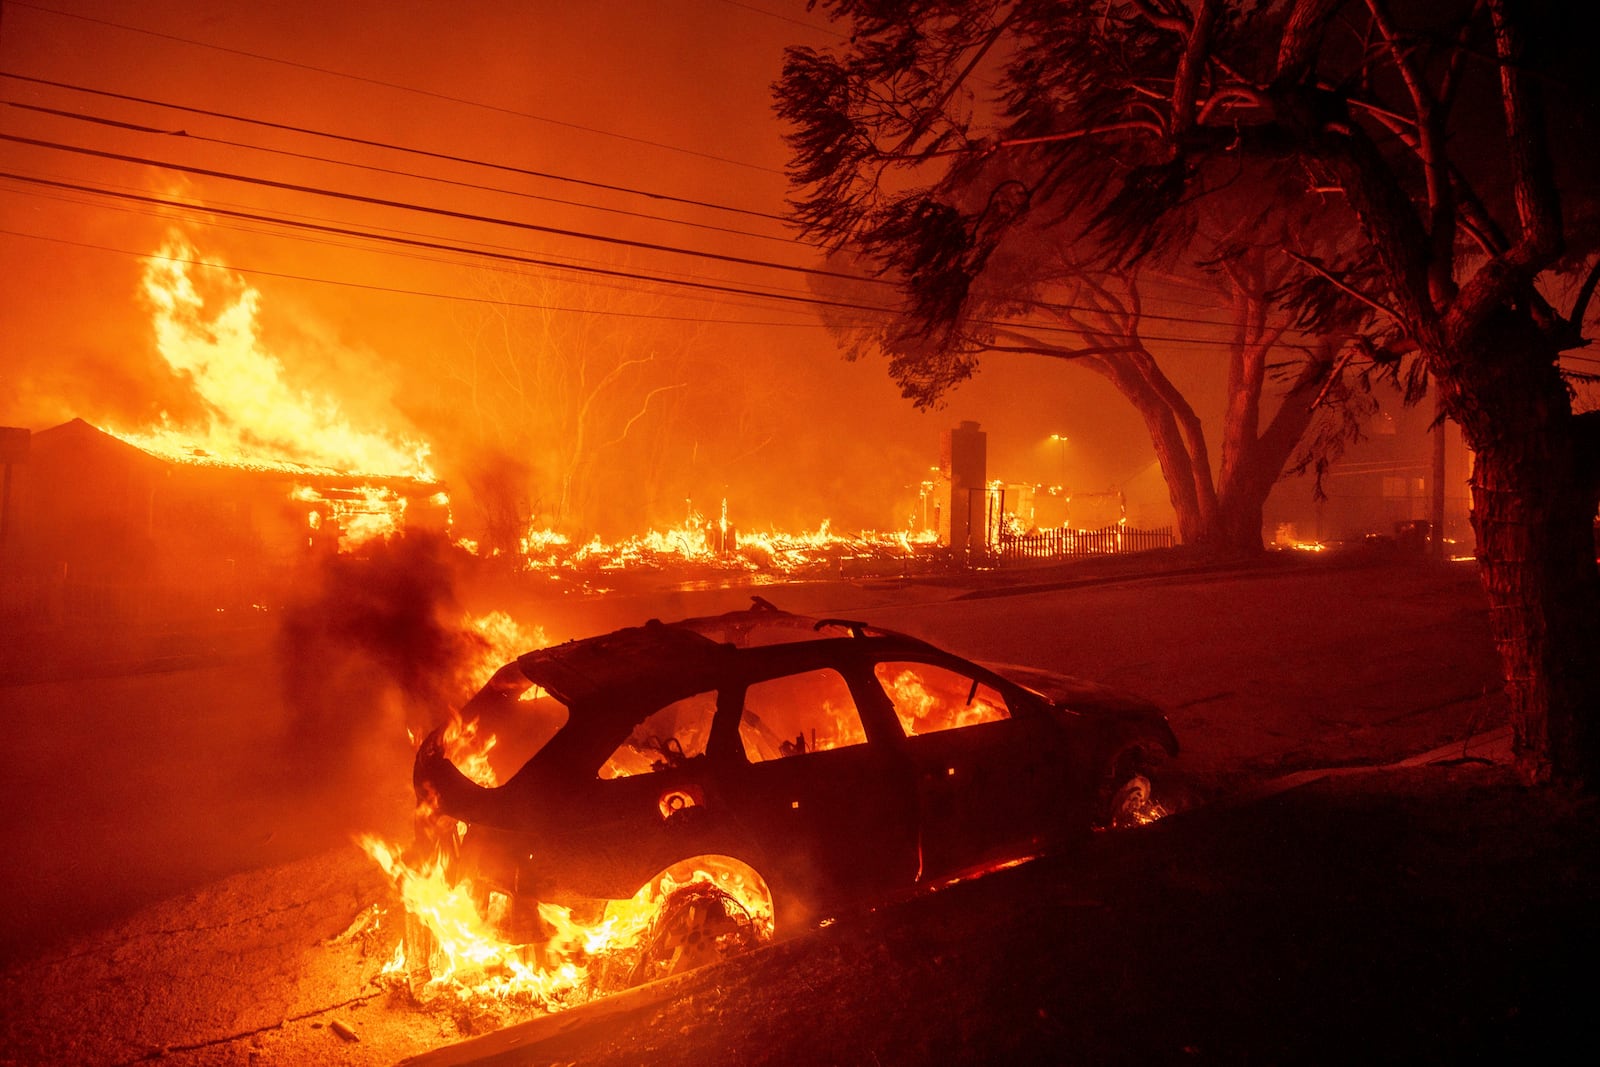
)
(368, 143)
(135, 127)
(100, 120)
(396, 86)
(458, 249)
(1167, 298)
(537, 228)
(247, 222)
(604, 272)
(462, 216)
(405, 292)
(505, 168)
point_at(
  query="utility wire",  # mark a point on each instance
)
(368, 143)
(100, 120)
(807, 299)
(1166, 283)
(535, 227)
(210, 213)
(158, 131)
(463, 216)
(396, 86)
(440, 246)
(498, 301)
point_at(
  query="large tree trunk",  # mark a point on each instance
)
(1239, 525)
(1252, 461)
(1533, 515)
(1176, 436)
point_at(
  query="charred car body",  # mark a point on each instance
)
(817, 763)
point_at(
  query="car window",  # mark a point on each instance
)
(928, 698)
(669, 736)
(502, 726)
(797, 714)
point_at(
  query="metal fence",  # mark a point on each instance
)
(1074, 544)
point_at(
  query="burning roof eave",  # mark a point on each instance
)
(311, 474)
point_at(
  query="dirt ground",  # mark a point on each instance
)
(1433, 911)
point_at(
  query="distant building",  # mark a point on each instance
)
(1380, 487)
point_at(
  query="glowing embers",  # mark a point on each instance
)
(504, 955)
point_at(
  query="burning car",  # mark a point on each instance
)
(758, 770)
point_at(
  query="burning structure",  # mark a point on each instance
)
(99, 526)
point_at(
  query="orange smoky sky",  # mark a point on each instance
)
(545, 238)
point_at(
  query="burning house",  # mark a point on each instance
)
(103, 527)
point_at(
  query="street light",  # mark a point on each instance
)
(1061, 474)
(1061, 457)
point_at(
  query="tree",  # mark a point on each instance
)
(1431, 140)
(567, 391)
(992, 262)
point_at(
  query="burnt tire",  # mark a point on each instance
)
(1130, 792)
(697, 924)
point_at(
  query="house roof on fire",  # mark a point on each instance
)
(78, 434)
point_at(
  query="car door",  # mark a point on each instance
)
(652, 803)
(828, 812)
(987, 775)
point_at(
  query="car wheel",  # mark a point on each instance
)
(1129, 793)
(697, 924)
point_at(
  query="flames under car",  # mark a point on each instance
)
(785, 765)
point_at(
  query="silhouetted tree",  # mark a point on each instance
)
(1423, 130)
(567, 388)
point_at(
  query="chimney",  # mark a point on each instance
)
(963, 462)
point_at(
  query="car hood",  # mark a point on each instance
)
(1113, 713)
(1074, 694)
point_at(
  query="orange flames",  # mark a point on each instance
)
(206, 323)
(466, 743)
(718, 546)
(462, 958)
(455, 948)
(257, 416)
